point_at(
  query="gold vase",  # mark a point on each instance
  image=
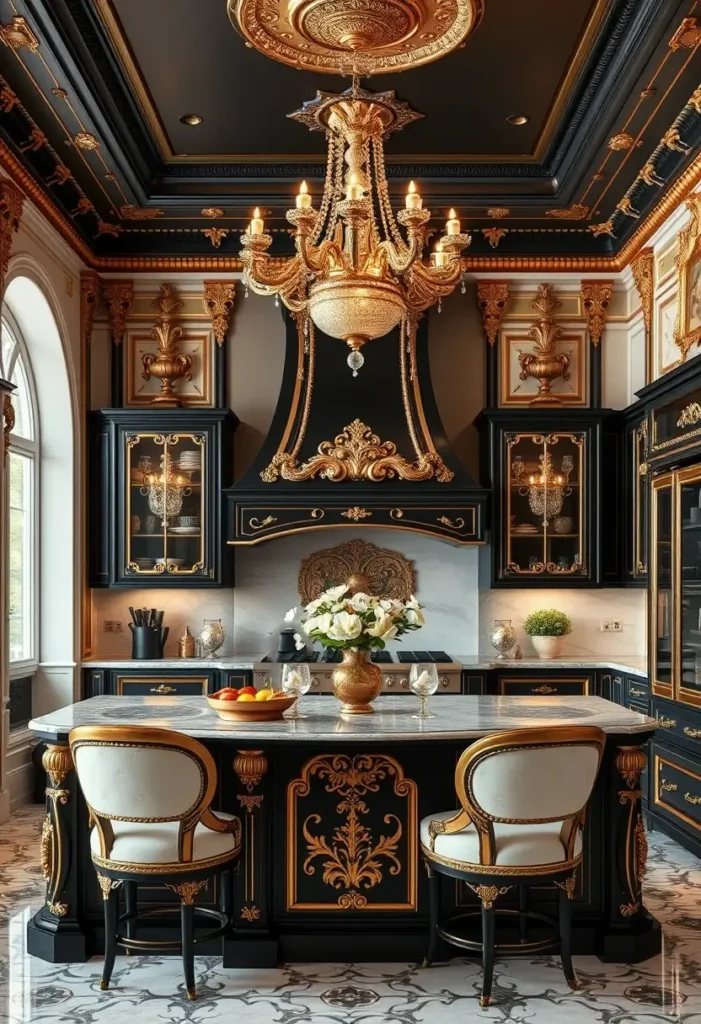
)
(356, 683)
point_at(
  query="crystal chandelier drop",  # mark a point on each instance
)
(546, 490)
(165, 490)
(354, 273)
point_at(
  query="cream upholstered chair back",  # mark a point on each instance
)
(528, 777)
(143, 775)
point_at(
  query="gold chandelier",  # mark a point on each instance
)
(354, 273)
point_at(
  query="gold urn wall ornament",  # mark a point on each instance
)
(168, 364)
(544, 364)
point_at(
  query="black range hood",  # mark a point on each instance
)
(365, 451)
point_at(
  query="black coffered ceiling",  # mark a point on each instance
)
(124, 71)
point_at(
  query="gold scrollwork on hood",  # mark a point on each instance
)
(358, 454)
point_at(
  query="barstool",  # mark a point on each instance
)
(523, 798)
(149, 792)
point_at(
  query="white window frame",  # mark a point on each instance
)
(30, 448)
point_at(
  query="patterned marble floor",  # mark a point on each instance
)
(149, 990)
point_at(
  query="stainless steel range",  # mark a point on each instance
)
(395, 668)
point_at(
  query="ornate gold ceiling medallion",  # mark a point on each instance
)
(382, 571)
(360, 36)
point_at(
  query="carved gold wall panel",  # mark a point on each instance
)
(388, 573)
(351, 835)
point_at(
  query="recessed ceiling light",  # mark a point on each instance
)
(191, 119)
(517, 119)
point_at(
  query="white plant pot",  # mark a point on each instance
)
(548, 646)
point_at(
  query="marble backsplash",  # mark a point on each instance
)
(459, 611)
(266, 587)
(586, 608)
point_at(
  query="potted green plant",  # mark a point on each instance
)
(546, 628)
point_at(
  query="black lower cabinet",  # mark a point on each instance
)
(675, 773)
(161, 682)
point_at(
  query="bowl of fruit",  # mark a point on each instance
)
(249, 704)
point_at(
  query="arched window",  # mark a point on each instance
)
(23, 480)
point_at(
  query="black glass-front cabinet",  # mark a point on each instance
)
(155, 517)
(554, 475)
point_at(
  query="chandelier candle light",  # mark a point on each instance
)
(356, 623)
(354, 274)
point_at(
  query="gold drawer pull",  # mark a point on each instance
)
(544, 689)
(163, 689)
(692, 799)
(667, 723)
(638, 693)
(668, 787)
(444, 682)
(694, 734)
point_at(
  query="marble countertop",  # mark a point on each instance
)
(632, 664)
(455, 718)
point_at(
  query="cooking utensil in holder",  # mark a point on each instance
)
(148, 635)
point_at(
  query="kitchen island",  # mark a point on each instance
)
(330, 808)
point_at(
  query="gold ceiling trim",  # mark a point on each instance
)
(113, 27)
(677, 193)
(379, 571)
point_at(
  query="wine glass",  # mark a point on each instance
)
(296, 680)
(567, 465)
(423, 681)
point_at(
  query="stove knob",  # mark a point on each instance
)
(388, 681)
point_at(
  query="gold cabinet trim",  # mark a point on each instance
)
(579, 568)
(164, 440)
(176, 681)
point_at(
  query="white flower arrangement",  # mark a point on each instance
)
(340, 619)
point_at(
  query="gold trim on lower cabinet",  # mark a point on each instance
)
(157, 681)
(660, 762)
(352, 777)
(535, 680)
(660, 483)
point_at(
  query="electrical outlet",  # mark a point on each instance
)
(117, 626)
(611, 626)
(108, 626)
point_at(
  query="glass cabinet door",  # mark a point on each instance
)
(638, 483)
(165, 513)
(545, 502)
(688, 523)
(662, 615)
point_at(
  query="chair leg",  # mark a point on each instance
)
(187, 917)
(488, 937)
(566, 939)
(130, 908)
(110, 900)
(523, 902)
(434, 899)
(226, 886)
